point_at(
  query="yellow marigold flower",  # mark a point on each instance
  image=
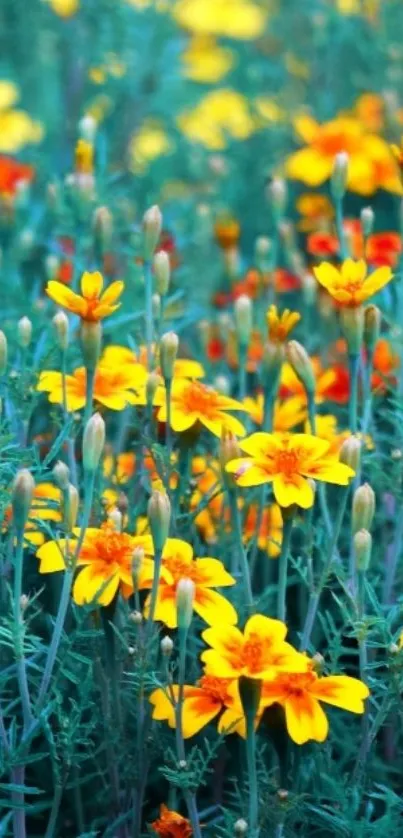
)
(93, 304)
(268, 110)
(114, 387)
(259, 652)
(280, 325)
(65, 8)
(350, 286)
(287, 461)
(9, 94)
(316, 211)
(371, 165)
(230, 18)
(45, 507)
(149, 143)
(397, 151)
(17, 129)
(193, 402)
(84, 157)
(121, 468)
(220, 114)
(326, 428)
(206, 573)
(202, 703)
(205, 61)
(287, 414)
(300, 693)
(123, 356)
(106, 561)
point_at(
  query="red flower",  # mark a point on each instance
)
(322, 244)
(383, 249)
(12, 173)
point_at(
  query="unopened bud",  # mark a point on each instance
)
(350, 452)
(24, 332)
(318, 662)
(162, 271)
(61, 475)
(91, 339)
(23, 490)
(93, 442)
(152, 225)
(229, 449)
(352, 324)
(3, 353)
(156, 306)
(363, 508)
(372, 327)
(240, 828)
(52, 265)
(272, 361)
(278, 197)
(61, 328)
(282, 795)
(159, 518)
(152, 384)
(185, 594)
(115, 519)
(362, 549)
(243, 315)
(24, 602)
(339, 175)
(167, 646)
(262, 247)
(102, 225)
(87, 128)
(168, 352)
(70, 507)
(301, 363)
(309, 288)
(367, 220)
(137, 564)
(136, 617)
(222, 385)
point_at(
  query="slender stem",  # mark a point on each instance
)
(340, 228)
(89, 395)
(17, 800)
(253, 831)
(54, 812)
(148, 288)
(354, 368)
(243, 355)
(361, 614)
(321, 489)
(240, 552)
(70, 442)
(154, 595)
(315, 596)
(180, 743)
(19, 629)
(283, 564)
(168, 428)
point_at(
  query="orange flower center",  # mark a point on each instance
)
(296, 683)
(331, 143)
(256, 653)
(198, 398)
(217, 688)
(287, 462)
(180, 568)
(110, 547)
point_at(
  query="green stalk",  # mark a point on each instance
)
(252, 775)
(168, 428)
(154, 595)
(354, 368)
(288, 515)
(89, 395)
(240, 552)
(340, 228)
(180, 742)
(148, 288)
(19, 629)
(243, 355)
(321, 489)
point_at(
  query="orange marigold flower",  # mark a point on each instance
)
(107, 558)
(287, 461)
(322, 244)
(270, 535)
(259, 652)
(171, 825)
(114, 387)
(370, 110)
(383, 249)
(280, 325)
(300, 693)
(12, 173)
(206, 573)
(193, 402)
(385, 363)
(255, 351)
(315, 209)
(350, 286)
(227, 232)
(92, 304)
(202, 703)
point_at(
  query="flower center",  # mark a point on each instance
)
(287, 462)
(180, 568)
(296, 683)
(330, 144)
(217, 688)
(256, 653)
(200, 399)
(112, 547)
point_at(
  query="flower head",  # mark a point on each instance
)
(350, 286)
(93, 304)
(287, 461)
(114, 387)
(171, 825)
(201, 703)
(280, 325)
(300, 693)
(45, 506)
(259, 652)
(192, 401)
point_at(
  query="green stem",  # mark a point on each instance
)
(154, 595)
(243, 355)
(168, 427)
(148, 289)
(253, 831)
(54, 812)
(321, 489)
(283, 564)
(19, 629)
(340, 228)
(354, 367)
(240, 552)
(361, 614)
(180, 742)
(89, 395)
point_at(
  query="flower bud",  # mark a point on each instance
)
(318, 662)
(240, 828)
(162, 271)
(3, 353)
(61, 475)
(152, 384)
(87, 128)
(229, 449)
(278, 197)
(350, 452)
(137, 563)
(152, 225)
(52, 265)
(363, 508)
(24, 332)
(372, 327)
(167, 646)
(367, 220)
(136, 617)
(352, 324)
(61, 328)
(159, 518)
(24, 602)
(273, 358)
(93, 442)
(249, 693)
(362, 549)
(185, 594)
(222, 385)
(102, 226)
(156, 306)
(301, 363)
(339, 177)
(168, 351)
(91, 338)
(243, 314)
(115, 518)
(70, 507)
(23, 490)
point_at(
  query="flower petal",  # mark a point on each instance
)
(91, 284)
(213, 607)
(66, 297)
(305, 719)
(341, 691)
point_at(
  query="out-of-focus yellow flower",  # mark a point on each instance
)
(220, 114)
(9, 94)
(150, 142)
(287, 414)
(349, 7)
(280, 325)
(351, 286)
(65, 8)
(269, 110)
(17, 129)
(231, 18)
(205, 61)
(371, 165)
(370, 110)
(316, 211)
